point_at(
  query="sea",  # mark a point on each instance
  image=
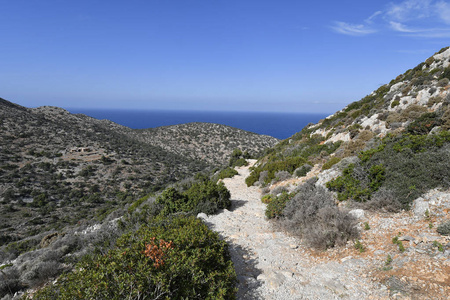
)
(275, 124)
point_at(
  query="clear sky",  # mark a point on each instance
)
(248, 55)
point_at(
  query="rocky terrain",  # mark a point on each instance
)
(199, 140)
(353, 207)
(386, 161)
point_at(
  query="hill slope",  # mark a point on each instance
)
(387, 157)
(58, 168)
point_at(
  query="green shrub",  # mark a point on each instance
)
(395, 103)
(331, 162)
(445, 74)
(136, 204)
(303, 170)
(267, 198)
(275, 208)
(203, 196)
(405, 166)
(290, 156)
(238, 159)
(227, 173)
(424, 124)
(359, 246)
(173, 201)
(240, 162)
(288, 164)
(357, 185)
(175, 258)
(208, 193)
(444, 228)
(439, 246)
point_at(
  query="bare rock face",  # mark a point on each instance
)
(420, 207)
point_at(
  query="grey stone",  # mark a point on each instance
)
(357, 213)
(202, 216)
(406, 238)
(420, 206)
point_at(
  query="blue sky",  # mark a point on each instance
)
(246, 55)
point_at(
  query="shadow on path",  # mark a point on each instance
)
(246, 272)
(235, 204)
(245, 266)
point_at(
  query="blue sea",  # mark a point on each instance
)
(278, 125)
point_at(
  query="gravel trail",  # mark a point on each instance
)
(273, 265)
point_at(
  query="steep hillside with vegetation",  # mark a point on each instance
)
(386, 156)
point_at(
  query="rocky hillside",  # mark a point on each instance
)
(204, 141)
(58, 168)
(386, 159)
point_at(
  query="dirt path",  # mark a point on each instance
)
(273, 265)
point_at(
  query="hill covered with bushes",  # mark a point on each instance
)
(64, 176)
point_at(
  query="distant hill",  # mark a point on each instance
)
(204, 141)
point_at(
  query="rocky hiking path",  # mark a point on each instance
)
(273, 265)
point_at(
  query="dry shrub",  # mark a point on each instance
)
(443, 82)
(332, 227)
(281, 176)
(278, 190)
(433, 100)
(262, 177)
(413, 111)
(383, 200)
(393, 117)
(446, 119)
(313, 215)
(353, 147)
(9, 281)
(41, 272)
(265, 191)
(365, 135)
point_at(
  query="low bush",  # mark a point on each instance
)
(238, 158)
(41, 272)
(289, 165)
(424, 124)
(227, 173)
(240, 162)
(313, 215)
(275, 208)
(303, 170)
(383, 200)
(405, 165)
(358, 183)
(444, 228)
(171, 258)
(267, 198)
(203, 196)
(9, 281)
(395, 103)
(331, 162)
(279, 190)
(281, 176)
